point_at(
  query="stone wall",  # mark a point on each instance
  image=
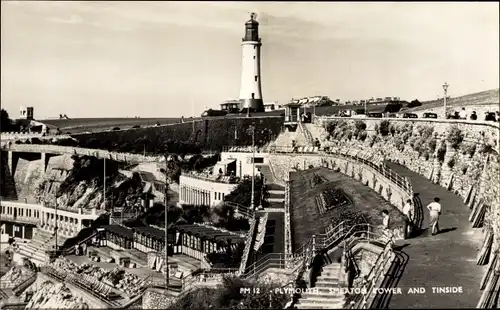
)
(211, 133)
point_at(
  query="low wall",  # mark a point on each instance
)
(209, 134)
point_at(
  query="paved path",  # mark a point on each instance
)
(447, 259)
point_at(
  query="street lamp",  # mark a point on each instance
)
(251, 131)
(445, 88)
(165, 199)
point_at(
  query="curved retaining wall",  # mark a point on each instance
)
(370, 175)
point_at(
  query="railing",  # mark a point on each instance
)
(273, 172)
(288, 228)
(72, 249)
(371, 281)
(380, 167)
(248, 245)
(241, 209)
(213, 178)
(213, 276)
(24, 284)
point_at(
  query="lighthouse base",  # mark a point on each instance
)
(255, 105)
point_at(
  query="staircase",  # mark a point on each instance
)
(276, 192)
(323, 297)
(316, 131)
(307, 134)
(36, 249)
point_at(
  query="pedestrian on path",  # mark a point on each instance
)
(385, 223)
(435, 211)
(408, 211)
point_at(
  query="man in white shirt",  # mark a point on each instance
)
(462, 114)
(435, 211)
(408, 211)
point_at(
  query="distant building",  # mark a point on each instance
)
(26, 113)
(271, 106)
(230, 106)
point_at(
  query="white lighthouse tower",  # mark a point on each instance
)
(251, 90)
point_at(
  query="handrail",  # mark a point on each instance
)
(241, 209)
(248, 244)
(361, 302)
(378, 167)
(72, 249)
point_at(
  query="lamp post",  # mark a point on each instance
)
(251, 131)
(445, 88)
(165, 199)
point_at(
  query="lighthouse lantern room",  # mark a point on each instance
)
(251, 90)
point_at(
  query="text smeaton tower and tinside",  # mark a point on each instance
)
(251, 90)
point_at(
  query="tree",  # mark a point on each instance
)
(6, 124)
(414, 103)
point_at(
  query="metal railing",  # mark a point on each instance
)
(71, 250)
(248, 244)
(212, 178)
(241, 209)
(362, 301)
(378, 166)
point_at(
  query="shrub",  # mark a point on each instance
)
(384, 127)
(451, 163)
(399, 143)
(414, 103)
(425, 131)
(406, 136)
(441, 152)
(469, 149)
(362, 135)
(455, 137)
(486, 149)
(360, 125)
(431, 145)
(393, 129)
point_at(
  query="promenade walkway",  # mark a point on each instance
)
(444, 260)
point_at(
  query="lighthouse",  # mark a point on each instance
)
(251, 90)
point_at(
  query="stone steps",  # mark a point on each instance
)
(320, 297)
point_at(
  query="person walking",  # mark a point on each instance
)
(385, 223)
(435, 211)
(408, 211)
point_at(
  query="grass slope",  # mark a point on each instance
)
(306, 218)
(487, 97)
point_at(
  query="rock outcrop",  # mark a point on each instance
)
(54, 296)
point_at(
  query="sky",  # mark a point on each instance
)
(171, 59)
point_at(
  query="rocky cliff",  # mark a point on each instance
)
(54, 296)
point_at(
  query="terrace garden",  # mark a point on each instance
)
(346, 198)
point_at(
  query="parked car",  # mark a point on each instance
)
(136, 126)
(116, 128)
(430, 115)
(410, 115)
(376, 115)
